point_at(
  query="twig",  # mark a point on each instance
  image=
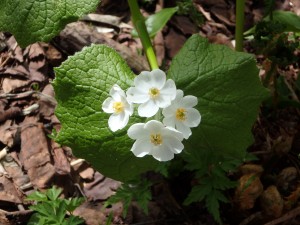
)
(291, 214)
(250, 218)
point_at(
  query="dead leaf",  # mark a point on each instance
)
(35, 154)
(286, 178)
(250, 169)
(8, 192)
(248, 190)
(271, 202)
(292, 199)
(100, 188)
(15, 171)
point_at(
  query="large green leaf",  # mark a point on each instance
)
(81, 85)
(32, 20)
(229, 93)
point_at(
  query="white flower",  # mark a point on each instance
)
(153, 138)
(181, 114)
(119, 107)
(152, 91)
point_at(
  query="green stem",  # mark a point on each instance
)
(139, 24)
(239, 25)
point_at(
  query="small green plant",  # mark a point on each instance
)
(52, 210)
(137, 190)
(187, 8)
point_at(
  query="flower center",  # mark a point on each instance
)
(153, 92)
(118, 107)
(181, 114)
(156, 139)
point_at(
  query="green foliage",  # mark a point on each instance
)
(81, 85)
(229, 94)
(213, 181)
(52, 210)
(157, 21)
(30, 21)
(187, 8)
(137, 190)
(269, 7)
(290, 21)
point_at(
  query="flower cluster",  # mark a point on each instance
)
(152, 91)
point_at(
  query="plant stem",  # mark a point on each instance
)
(139, 24)
(239, 25)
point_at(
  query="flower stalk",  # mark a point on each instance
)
(139, 24)
(239, 25)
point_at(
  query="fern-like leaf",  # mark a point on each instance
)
(138, 190)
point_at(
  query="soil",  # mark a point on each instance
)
(30, 160)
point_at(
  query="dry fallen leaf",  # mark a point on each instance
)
(271, 202)
(248, 190)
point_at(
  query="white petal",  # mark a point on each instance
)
(170, 110)
(129, 108)
(107, 105)
(141, 147)
(134, 95)
(162, 153)
(179, 94)
(169, 121)
(137, 131)
(158, 78)
(124, 118)
(193, 117)
(189, 101)
(143, 81)
(185, 130)
(115, 121)
(169, 89)
(147, 109)
(171, 132)
(116, 92)
(163, 101)
(154, 126)
(174, 144)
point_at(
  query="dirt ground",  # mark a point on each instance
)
(30, 160)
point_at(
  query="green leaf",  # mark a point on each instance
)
(61, 212)
(37, 196)
(53, 193)
(212, 204)
(73, 203)
(157, 21)
(198, 193)
(289, 19)
(74, 220)
(229, 94)
(46, 209)
(81, 85)
(30, 21)
(138, 190)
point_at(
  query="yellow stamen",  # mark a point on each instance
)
(154, 92)
(118, 107)
(181, 114)
(156, 139)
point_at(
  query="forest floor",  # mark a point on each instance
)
(30, 160)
